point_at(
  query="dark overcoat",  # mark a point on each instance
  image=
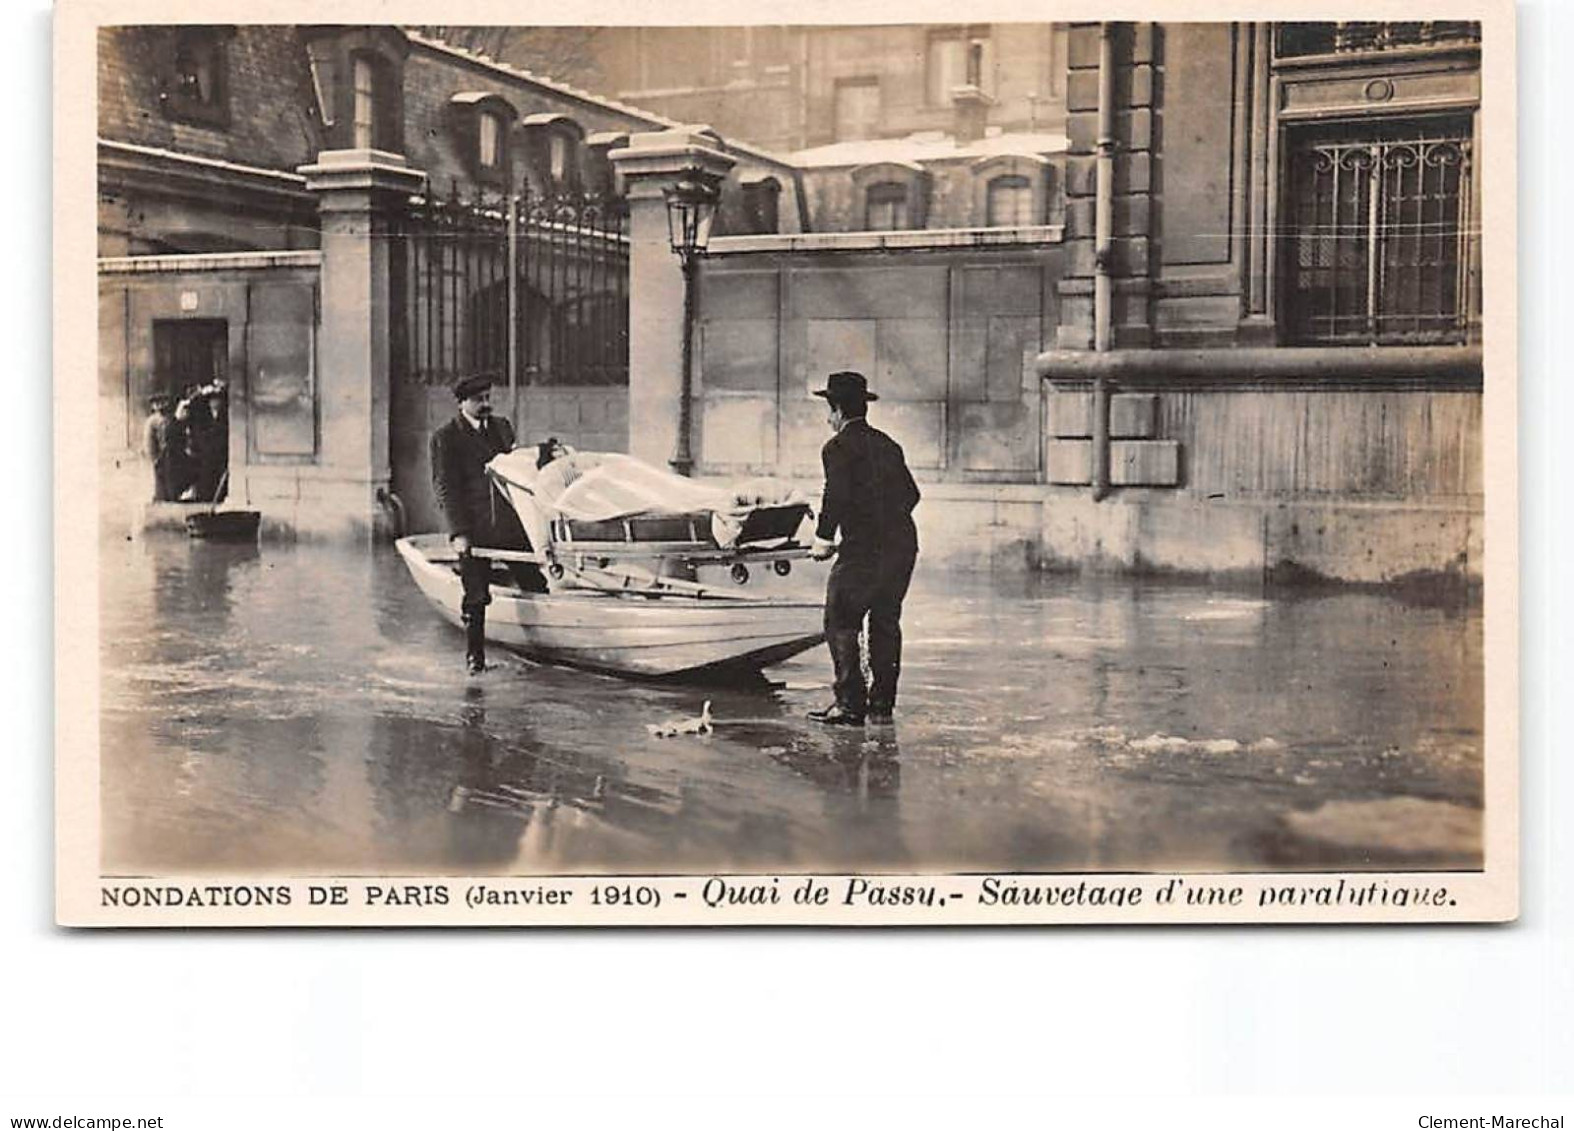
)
(471, 505)
(869, 493)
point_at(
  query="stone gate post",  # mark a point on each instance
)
(358, 189)
(650, 163)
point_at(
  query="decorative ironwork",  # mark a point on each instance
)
(1382, 236)
(1347, 37)
(544, 296)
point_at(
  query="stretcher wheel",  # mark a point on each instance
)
(782, 567)
(555, 571)
(740, 573)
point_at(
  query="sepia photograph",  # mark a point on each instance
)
(787, 473)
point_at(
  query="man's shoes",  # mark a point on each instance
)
(879, 716)
(475, 666)
(836, 716)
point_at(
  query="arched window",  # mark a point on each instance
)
(374, 103)
(892, 195)
(557, 157)
(1010, 202)
(358, 77)
(489, 142)
(554, 144)
(885, 207)
(482, 124)
(1012, 190)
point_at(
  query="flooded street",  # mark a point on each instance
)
(302, 709)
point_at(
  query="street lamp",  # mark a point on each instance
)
(691, 207)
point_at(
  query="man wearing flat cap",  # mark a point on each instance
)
(869, 500)
(475, 512)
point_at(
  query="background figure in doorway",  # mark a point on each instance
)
(164, 446)
(206, 441)
(869, 499)
(217, 462)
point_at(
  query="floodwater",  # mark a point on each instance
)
(301, 709)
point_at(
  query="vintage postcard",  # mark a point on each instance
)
(650, 471)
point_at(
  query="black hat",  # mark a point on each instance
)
(158, 399)
(846, 386)
(469, 386)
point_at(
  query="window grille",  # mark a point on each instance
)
(1327, 38)
(1381, 241)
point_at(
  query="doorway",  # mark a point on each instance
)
(191, 366)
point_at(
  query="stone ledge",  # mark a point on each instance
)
(1322, 366)
(208, 261)
(924, 239)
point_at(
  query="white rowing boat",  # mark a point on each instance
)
(624, 624)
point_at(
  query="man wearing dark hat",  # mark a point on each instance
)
(869, 499)
(476, 513)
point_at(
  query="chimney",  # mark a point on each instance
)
(969, 101)
(971, 112)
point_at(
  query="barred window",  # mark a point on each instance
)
(1328, 38)
(1380, 243)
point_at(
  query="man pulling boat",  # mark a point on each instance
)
(474, 512)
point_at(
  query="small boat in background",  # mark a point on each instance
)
(623, 621)
(226, 525)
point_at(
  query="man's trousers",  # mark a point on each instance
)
(868, 582)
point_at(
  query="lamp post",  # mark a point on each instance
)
(691, 208)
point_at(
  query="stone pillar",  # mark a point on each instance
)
(649, 164)
(357, 192)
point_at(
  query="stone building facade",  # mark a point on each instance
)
(1223, 316)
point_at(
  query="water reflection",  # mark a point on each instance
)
(301, 708)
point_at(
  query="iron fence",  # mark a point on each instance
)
(525, 285)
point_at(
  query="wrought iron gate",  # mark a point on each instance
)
(530, 288)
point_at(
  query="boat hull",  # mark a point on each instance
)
(628, 635)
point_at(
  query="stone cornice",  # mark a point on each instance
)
(210, 261)
(933, 239)
(362, 169)
(1353, 367)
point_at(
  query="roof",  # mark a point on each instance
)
(924, 147)
(581, 95)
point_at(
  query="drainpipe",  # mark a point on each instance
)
(1103, 230)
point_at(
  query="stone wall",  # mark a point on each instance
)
(266, 303)
(945, 334)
